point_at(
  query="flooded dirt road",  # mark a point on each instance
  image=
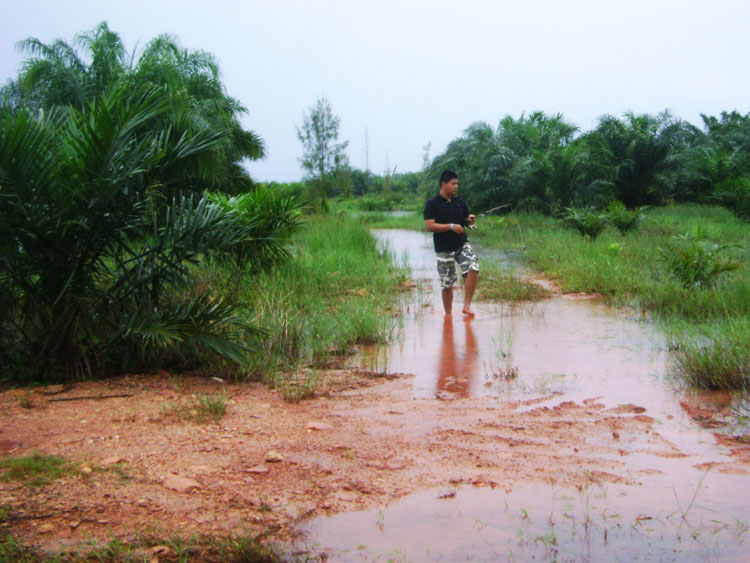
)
(681, 495)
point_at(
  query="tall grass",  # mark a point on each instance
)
(337, 291)
(630, 269)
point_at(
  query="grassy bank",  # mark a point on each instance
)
(708, 325)
(338, 290)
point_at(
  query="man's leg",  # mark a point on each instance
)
(448, 300)
(469, 264)
(470, 284)
(446, 267)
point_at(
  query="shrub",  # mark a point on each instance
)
(696, 262)
(735, 195)
(623, 219)
(588, 221)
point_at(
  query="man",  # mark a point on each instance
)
(447, 217)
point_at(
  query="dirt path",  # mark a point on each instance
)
(269, 464)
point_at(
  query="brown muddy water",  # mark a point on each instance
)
(567, 348)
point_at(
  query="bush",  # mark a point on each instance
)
(695, 262)
(623, 219)
(588, 221)
(735, 195)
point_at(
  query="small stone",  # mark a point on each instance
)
(180, 484)
(274, 457)
(319, 426)
(257, 469)
(86, 469)
(616, 435)
(111, 460)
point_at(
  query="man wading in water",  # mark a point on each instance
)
(447, 217)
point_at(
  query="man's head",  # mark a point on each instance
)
(447, 176)
(448, 183)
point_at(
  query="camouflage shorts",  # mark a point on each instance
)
(446, 264)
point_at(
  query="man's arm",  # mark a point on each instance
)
(434, 227)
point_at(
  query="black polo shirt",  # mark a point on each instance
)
(446, 212)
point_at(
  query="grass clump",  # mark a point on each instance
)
(697, 262)
(713, 357)
(587, 221)
(35, 470)
(500, 284)
(201, 408)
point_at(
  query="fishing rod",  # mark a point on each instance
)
(484, 213)
(518, 225)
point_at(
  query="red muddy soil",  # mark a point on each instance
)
(267, 465)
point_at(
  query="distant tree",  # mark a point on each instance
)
(322, 153)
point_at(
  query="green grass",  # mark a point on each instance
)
(237, 548)
(500, 284)
(35, 470)
(339, 290)
(630, 269)
(200, 409)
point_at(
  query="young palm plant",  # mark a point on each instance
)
(93, 263)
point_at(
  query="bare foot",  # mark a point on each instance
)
(468, 312)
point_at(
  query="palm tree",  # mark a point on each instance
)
(93, 275)
(640, 147)
(56, 75)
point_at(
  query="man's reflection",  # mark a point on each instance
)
(455, 373)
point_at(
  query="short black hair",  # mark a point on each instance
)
(447, 176)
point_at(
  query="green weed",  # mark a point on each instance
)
(501, 284)
(697, 262)
(623, 219)
(587, 221)
(35, 470)
(200, 409)
(711, 356)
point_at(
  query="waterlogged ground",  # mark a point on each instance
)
(637, 471)
(548, 431)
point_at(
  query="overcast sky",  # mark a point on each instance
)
(405, 73)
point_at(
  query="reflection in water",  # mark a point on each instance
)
(455, 370)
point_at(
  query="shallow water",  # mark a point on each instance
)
(566, 349)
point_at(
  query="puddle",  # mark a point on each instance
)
(598, 523)
(558, 350)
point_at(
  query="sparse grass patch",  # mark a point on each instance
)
(35, 470)
(201, 408)
(713, 357)
(24, 400)
(500, 284)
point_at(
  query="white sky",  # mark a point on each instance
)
(412, 72)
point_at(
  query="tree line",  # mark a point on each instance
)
(543, 163)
